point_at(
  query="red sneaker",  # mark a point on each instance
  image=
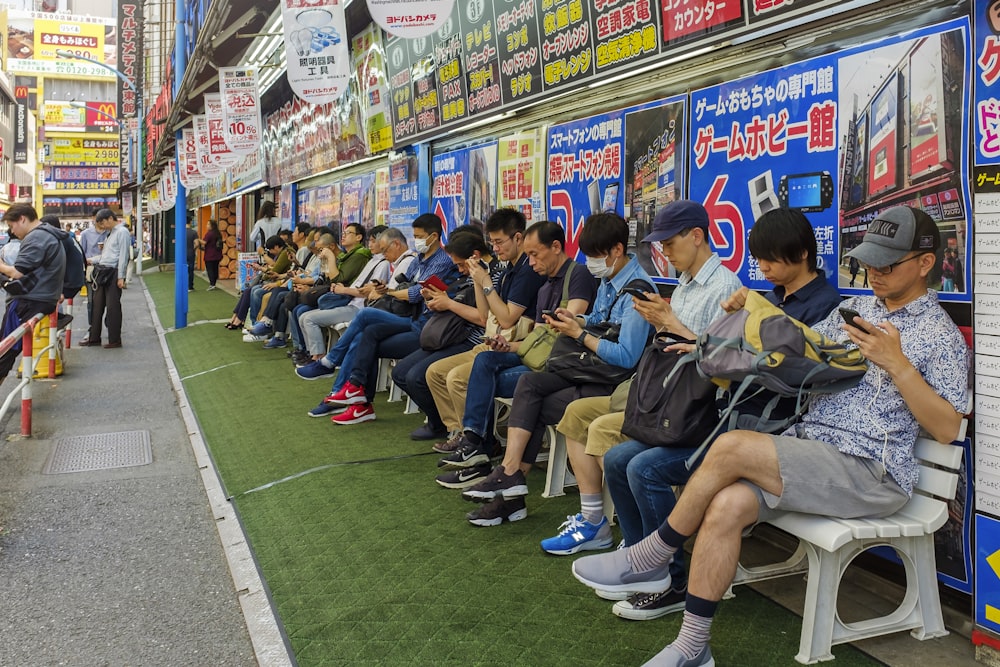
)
(355, 414)
(349, 394)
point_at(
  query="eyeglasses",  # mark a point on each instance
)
(886, 270)
(496, 243)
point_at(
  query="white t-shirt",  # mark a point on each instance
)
(270, 227)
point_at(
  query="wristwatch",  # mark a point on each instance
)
(488, 290)
(582, 337)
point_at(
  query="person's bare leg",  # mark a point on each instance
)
(586, 468)
(517, 443)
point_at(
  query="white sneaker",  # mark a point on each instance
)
(250, 338)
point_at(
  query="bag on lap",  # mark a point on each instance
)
(669, 403)
(444, 329)
(535, 348)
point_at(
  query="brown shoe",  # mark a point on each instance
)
(448, 446)
(112, 346)
(86, 342)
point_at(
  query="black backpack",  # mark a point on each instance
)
(75, 276)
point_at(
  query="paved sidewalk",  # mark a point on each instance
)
(120, 566)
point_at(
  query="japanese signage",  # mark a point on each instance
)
(316, 48)
(34, 37)
(797, 135)
(408, 183)
(451, 69)
(129, 49)
(424, 77)
(80, 179)
(624, 32)
(482, 63)
(519, 51)
(21, 125)
(240, 108)
(521, 173)
(688, 19)
(414, 18)
(187, 161)
(400, 90)
(218, 149)
(76, 151)
(206, 165)
(449, 188)
(94, 117)
(584, 161)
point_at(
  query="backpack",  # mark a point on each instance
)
(759, 345)
(75, 276)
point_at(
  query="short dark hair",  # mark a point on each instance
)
(428, 222)
(466, 240)
(602, 232)
(105, 214)
(275, 242)
(376, 231)
(782, 234)
(285, 232)
(52, 220)
(20, 210)
(303, 228)
(508, 220)
(548, 232)
(359, 229)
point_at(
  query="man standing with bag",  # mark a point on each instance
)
(109, 279)
(35, 281)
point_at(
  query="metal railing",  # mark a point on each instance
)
(26, 333)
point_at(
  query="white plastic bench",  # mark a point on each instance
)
(827, 546)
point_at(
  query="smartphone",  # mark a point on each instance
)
(637, 293)
(434, 282)
(484, 266)
(849, 315)
(550, 313)
(489, 340)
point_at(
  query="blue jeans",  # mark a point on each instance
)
(639, 478)
(365, 318)
(494, 374)
(410, 374)
(297, 339)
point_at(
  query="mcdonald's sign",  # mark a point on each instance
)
(102, 114)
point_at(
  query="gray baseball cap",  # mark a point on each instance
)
(895, 232)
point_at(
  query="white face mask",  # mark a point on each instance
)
(599, 268)
(420, 245)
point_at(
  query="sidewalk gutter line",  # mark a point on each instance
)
(266, 634)
(210, 370)
(328, 466)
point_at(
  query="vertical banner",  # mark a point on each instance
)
(449, 190)
(482, 61)
(169, 183)
(653, 175)
(482, 177)
(130, 23)
(21, 125)
(218, 149)
(382, 196)
(451, 69)
(424, 77)
(206, 166)
(316, 49)
(241, 108)
(369, 55)
(987, 111)
(369, 201)
(187, 165)
(567, 42)
(585, 159)
(521, 173)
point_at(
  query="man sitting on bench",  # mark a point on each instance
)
(850, 457)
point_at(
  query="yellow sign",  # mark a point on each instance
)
(81, 151)
(82, 39)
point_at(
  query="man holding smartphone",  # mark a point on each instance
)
(851, 456)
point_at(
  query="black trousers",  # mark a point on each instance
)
(212, 269)
(107, 299)
(24, 310)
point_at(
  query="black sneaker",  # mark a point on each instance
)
(449, 445)
(463, 477)
(466, 456)
(498, 483)
(647, 606)
(498, 511)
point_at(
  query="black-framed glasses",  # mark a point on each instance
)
(496, 243)
(886, 270)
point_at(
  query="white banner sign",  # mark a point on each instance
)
(240, 108)
(168, 185)
(218, 149)
(188, 171)
(316, 49)
(207, 168)
(417, 18)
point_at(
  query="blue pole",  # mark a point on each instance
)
(180, 208)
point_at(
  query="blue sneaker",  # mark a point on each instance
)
(314, 371)
(260, 329)
(274, 343)
(325, 410)
(577, 534)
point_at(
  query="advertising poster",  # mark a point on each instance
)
(521, 173)
(987, 73)
(424, 77)
(449, 189)
(687, 20)
(567, 43)
(350, 202)
(368, 199)
(286, 205)
(482, 61)
(824, 136)
(316, 48)
(653, 176)
(585, 161)
(409, 180)
(451, 69)
(382, 196)
(241, 108)
(404, 119)
(482, 175)
(520, 53)
(369, 55)
(307, 206)
(327, 205)
(924, 81)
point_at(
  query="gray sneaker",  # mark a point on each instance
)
(613, 572)
(671, 657)
(647, 606)
(499, 510)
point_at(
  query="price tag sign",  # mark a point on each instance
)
(189, 174)
(218, 149)
(240, 109)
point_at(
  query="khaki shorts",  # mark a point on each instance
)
(591, 421)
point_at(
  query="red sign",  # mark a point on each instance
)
(682, 18)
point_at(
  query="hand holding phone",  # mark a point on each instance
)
(550, 313)
(435, 283)
(849, 314)
(637, 293)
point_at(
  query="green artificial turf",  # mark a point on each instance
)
(370, 562)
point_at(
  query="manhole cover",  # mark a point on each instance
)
(100, 452)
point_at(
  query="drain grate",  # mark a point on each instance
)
(100, 452)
